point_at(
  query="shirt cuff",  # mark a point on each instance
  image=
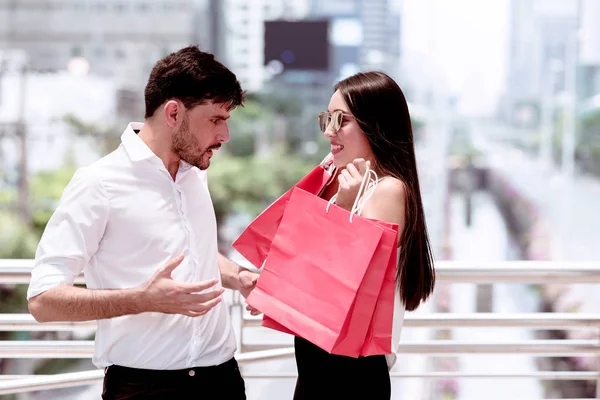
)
(47, 276)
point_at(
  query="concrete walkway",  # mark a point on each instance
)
(571, 208)
(487, 240)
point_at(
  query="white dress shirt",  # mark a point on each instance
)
(119, 220)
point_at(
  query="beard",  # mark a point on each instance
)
(185, 145)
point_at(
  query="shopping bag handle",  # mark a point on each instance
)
(367, 187)
(368, 190)
(326, 159)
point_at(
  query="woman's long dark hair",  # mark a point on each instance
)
(380, 109)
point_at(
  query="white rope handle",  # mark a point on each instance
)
(367, 187)
(326, 159)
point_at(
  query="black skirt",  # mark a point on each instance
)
(322, 375)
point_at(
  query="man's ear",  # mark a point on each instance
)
(173, 113)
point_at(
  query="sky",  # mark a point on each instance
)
(467, 43)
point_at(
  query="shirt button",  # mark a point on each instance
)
(192, 372)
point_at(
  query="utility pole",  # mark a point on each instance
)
(2, 128)
(571, 100)
(21, 133)
(20, 129)
(548, 106)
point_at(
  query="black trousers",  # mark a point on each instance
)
(222, 381)
(326, 376)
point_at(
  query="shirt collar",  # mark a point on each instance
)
(139, 151)
(135, 147)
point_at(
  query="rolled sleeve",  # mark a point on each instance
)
(72, 235)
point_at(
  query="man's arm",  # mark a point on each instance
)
(71, 238)
(70, 303)
(230, 272)
(236, 277)
(160, 294)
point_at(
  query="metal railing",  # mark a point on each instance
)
(85, 348)
(25, 322)
(18, 272)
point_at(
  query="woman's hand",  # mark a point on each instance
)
(350, 179)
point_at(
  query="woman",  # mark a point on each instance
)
(368, 124)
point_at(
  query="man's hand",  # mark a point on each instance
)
(162, 294)
(248, 281)
(253, 311)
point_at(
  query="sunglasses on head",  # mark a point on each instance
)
(335, 118)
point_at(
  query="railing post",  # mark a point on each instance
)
(598, 371)
(237, 308)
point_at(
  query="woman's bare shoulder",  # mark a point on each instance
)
(387, 201)
(390, 189)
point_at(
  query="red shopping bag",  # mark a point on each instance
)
(379, 335)
(271, 324)
(380, 273)
(255, 241)
(313, 282)
(369, 293)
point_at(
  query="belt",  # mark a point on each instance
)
(150, 374)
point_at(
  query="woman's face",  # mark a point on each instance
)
(349, 141)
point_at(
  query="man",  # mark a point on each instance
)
(141, 226)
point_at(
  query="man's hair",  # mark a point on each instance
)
(192, 77)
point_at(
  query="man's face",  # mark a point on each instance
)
(203, 130)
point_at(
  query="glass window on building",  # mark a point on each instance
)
(76, 51)
(120, 6)
(119, 53)
(100, 6)
(99, 52)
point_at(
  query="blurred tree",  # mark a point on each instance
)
(107, 138)
(283, 104)
(588, 142)
(249, 184)
(248, 125)
(16, 239)
(46, 188)
(286, 116)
